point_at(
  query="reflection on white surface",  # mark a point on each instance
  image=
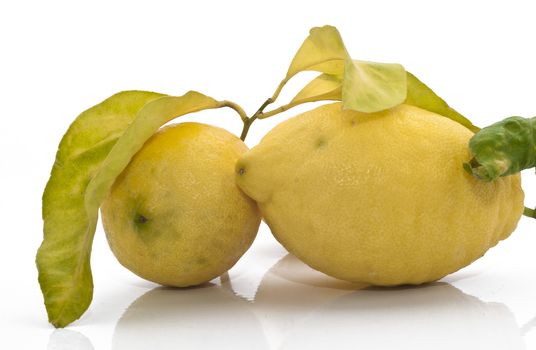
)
(205, 317)
(409, 318)
(66, 339)
(296, 307)
(321, 313)
(529, 326)
(289, 292)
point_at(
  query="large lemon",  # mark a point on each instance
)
(380, 198)
(175, 215)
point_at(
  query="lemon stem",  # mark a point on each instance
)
(247, 124)
(531, 213)
(280, 109)
(249, 121)
(263, 106)
(258, 114)
(277, 91)
(237, 108)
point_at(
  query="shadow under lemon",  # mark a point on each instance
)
(302, 308)
(208, 316)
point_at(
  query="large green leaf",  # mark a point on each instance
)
(63, 258)
(422, 96)
(96, 148)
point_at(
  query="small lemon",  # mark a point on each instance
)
(175, 215)
(380, 198)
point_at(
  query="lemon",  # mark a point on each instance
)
(379, 198)
(175, 215)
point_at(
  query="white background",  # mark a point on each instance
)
(59, 58)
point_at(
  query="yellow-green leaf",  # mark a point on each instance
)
(322, 51)
(371, 87)
(63, 258)
(150, 118)
(422, 96)
(324, 87)
(362, 86)
(366, 86)
(96, 148)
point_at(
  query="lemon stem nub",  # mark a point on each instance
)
(531, 213)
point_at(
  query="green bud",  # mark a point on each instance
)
(503, 148)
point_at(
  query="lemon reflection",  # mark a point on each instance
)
(208, 317)
(306, 309)
(296, 307)
(289, 292)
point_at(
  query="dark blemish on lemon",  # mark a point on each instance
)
(241, 171)
(321, 142)
(353, 122)
(140, 219)
(142, 228)
(201, 261)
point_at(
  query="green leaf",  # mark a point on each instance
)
(422, 96)
(96, 148)
(323, 87)
(371, 87)
(322, 51)
(150, 118)
(63, 258)
(362, 86)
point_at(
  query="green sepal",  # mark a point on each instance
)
(504, 148)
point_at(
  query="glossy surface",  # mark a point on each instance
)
(273, 301)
